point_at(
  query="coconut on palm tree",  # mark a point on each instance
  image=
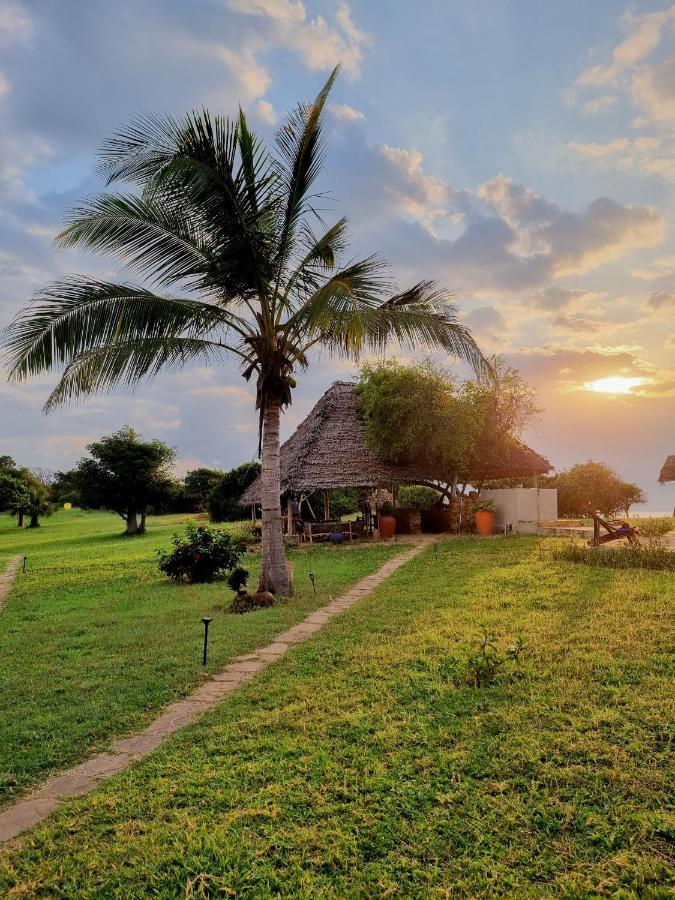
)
(235, 261)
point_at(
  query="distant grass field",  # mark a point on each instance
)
(93, 639)
(363, 764)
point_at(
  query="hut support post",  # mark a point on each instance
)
(326, 506)
(289, 515)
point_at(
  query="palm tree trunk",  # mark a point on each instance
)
(19, 520)
(274, 575)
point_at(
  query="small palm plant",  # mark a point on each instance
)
(235, 261)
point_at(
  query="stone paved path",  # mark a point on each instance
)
(8, 577)
(81, 779)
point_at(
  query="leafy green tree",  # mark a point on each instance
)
(13, 494)
(198, 485)
(416, 414)
(503, 407)
(223, 501)
(232, 231)
(593, 487)
(125, 475)
(23, 493)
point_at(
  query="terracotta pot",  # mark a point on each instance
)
(387, 526)
(484, 520)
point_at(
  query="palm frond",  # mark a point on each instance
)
(301, 148)
(77, 314)
(161, 240)
(126, 363)
(348, 315)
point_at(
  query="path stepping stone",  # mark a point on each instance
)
(81, 779)
(8, 577)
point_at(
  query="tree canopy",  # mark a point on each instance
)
(422, 413)
(593, 487)
(125, 475)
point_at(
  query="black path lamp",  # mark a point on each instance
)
(207, 621)
(312, 578)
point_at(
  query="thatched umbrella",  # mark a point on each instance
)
(668, 470)
(329, 450)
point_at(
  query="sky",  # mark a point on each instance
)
(521, 153)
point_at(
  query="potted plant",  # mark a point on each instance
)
(484, 514)
(386, 521)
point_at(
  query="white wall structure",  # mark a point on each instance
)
(523, 508)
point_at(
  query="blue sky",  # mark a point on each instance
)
(519, 152)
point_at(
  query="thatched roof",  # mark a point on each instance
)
(668, 470)
(329, 450)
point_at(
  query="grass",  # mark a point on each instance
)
(360, 765)
(93, 639)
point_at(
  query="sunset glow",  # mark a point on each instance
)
(614, 384)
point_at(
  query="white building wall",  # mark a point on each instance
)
(523, 508)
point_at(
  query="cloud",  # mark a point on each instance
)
(600, 104)
(563, 368)
(265, 111)
(15, 25)
(659, 300)
(670, 342)
(344, 112)
(577, 324)
(641, 69)
(555, 298)
(489, 327)
(320, 45)
(644, 35)
(502, 237)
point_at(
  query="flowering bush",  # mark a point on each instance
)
(200, 555)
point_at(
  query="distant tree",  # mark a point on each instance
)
(592, 486)
(199, 483)
(23, 493)
(13, 494)
(63, 488)
(38, 504)
(6, 463)
(629, 495)
(223, 501)
(125, 475)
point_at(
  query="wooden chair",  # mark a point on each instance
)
(606, 530)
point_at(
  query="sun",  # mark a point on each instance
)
(614, 384)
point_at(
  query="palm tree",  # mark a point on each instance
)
(229, 228)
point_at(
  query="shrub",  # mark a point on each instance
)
(655, 527)
(200, 555)
(418, 495)
(654, 555)
(484, 664)
(483, 506)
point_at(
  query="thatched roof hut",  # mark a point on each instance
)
(668, 470)
(329, 450)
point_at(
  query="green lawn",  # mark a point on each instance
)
(362, 764)
(93, 639)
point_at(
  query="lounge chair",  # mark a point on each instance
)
(606, 530)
